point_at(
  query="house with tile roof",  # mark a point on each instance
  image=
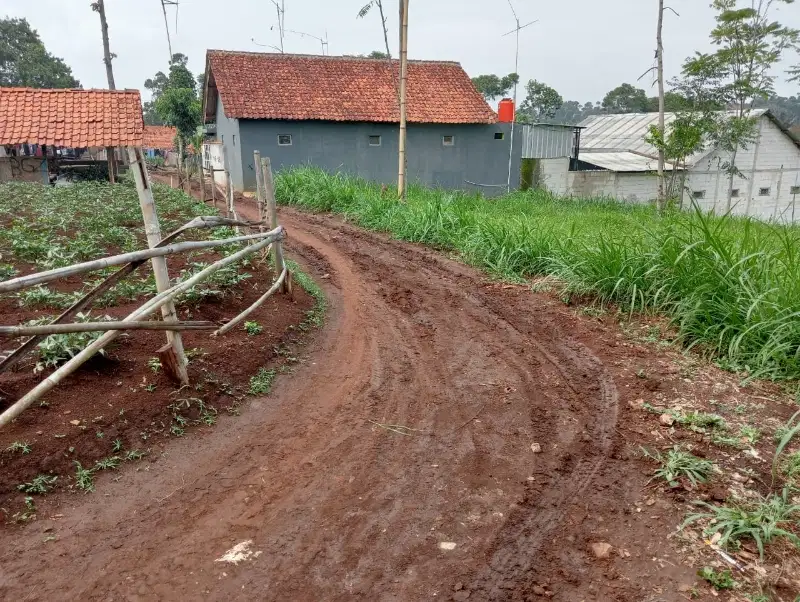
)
(53, 120)
(341, 114)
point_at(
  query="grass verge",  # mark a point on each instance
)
(730, 285)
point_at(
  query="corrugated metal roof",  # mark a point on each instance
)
(545, 141)
(622, 161)
(626, 132)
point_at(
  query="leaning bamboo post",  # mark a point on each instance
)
(152, 253)
(202, 175)
(153, 231)
(145, 310)
(228, 183)
(242, 316)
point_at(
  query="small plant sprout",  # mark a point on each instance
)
(154, 364)
(84, 479)
(261, 383)
(133, 455)
(253, 328)
(40, 484)
(700, 421)
(116, 445)
(677, 464)
(750, 434)
(23, 448)
(719, 580)
(110, 463)
(762, 521)
(100, 434)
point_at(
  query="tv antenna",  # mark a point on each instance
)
(323, 41)
(164, 5)
(280, 8)
(516, 31)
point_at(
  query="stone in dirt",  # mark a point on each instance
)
(601, 550)
(536, 448)
(447, 545)
(667, 419)
(538, 590)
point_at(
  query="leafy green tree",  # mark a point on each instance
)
(178, 76)
(541, 102)
(740, 72)
(673, 103)
(25, 62)
(377, 54)
(626, 99)
(492, 86)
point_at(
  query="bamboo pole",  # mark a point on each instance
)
(48, 329)
(211, 221)
(401, 174)
(228, 183)
(259, 184)
(242, 316)
(105, 262)
(213, 187)
(662, 194)
(153, 232)
(145, 310)
(272, 209)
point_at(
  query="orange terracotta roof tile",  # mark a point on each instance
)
(159, 136)
(71, 118)
(334, 88)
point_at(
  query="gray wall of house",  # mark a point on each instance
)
(476, 156)
(228, 134)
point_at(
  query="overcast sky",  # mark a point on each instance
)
(583, 48)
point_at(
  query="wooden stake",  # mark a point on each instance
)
(153, 232)
(272, 208)
(401, 174)
(48, 329)
(259, 184)
(228, 183)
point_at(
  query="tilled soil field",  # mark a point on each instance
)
(447, 438)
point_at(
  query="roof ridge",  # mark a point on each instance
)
(348, 57)
(4, 89)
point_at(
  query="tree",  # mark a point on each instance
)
(179, 77)
(749, 45)
(625, 99)
(25, 62)
(377, 54)
(541, 102)
(492, 86)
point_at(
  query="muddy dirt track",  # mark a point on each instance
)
(337, 504)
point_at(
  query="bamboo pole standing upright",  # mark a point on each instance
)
(228, 184)
(100, 8)
(272, 208)
(153, 232)
(259, 184)
(401, 174)
(662, 193)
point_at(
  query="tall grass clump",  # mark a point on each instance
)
(731, 285)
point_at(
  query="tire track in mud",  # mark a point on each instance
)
(341, 508)
(513, 551)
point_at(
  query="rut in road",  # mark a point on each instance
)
(340, 506)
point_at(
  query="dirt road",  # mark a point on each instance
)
(509, 465)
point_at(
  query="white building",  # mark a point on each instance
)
(615, 161)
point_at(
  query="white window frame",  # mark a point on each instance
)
(285, 143)
(452, 141)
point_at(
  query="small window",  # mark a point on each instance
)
(448, 140)
(764, 191)
(374, 140)
(222, 138)
(284, 139)
(794, 190)
(234, 139)
(499, 135)
(699, 194)
(735, 193)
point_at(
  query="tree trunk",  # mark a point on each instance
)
(101, 10)
(662, 198)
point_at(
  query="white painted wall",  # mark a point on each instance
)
(772, 163)
(212, 158)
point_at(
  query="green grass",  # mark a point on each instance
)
(730, 285)
(677, 464)
(261, 383)
(40, 484)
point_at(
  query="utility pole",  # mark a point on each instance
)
(401, 174)
(662, 194)
(99, 7)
